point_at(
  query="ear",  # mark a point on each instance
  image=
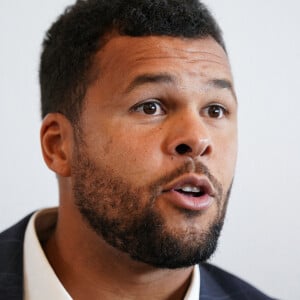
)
(57, 143)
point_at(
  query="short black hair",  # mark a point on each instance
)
(73, 40)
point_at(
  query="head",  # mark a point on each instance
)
(140, 125)
(67, 63)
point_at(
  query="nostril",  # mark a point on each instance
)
(183, 148)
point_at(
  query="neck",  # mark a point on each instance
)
(89, 268)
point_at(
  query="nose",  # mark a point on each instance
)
(189, 136)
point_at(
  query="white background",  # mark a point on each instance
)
(261, 238)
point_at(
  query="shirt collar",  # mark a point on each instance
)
(40, 281)
(193, 292)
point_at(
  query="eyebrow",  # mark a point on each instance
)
(223, 84)
(167, 78)
(149, 78)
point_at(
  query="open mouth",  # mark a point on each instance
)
(191, 191)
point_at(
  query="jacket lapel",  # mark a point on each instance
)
(209, 287)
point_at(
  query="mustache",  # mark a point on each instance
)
(190, 166)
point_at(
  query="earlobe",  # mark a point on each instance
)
(56, 141)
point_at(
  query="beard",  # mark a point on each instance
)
(127, 219)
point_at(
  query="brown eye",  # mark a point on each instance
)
(216, 111)
(149, 108)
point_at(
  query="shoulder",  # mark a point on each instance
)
(17, 229)
(11, 243)
(11, 260)
(15, 232)
(216, 283)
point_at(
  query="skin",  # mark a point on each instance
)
(140, 148)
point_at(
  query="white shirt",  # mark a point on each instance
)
(40, 280)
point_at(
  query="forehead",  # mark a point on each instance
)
(124, 55)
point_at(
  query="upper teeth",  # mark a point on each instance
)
(190, 189)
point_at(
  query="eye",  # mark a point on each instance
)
(149, 108)
(215, 111)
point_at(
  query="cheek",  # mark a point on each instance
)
(224, 158)
(132, 154)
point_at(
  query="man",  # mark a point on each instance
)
(140, 127)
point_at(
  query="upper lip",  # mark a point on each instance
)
(194, 180)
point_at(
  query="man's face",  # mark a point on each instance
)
(154, 161)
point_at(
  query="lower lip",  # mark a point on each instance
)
(189, 202)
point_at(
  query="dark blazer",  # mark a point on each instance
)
(216, 284)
